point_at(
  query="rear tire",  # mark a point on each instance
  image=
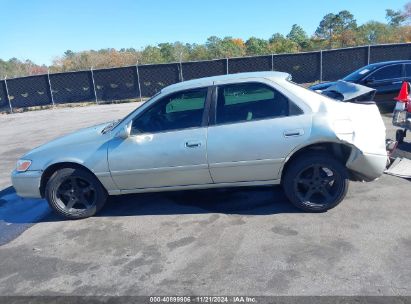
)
(75, 193)
(315, 182)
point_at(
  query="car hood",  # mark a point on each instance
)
(75, 140)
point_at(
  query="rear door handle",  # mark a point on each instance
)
(293, 133)
(193, 144)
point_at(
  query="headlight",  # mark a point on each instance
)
(23, 165)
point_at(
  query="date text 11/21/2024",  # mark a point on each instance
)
(203, 299)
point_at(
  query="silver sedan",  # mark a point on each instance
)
(226, 131)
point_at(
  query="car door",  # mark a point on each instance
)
(407, 70)
(253, 128)
(387, 81)
(167, 144)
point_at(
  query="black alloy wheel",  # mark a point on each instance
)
(316, 182)
(75, 193)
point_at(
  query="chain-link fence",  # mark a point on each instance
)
(199, 69)
(72, 87)
(107, 85)
(29, 91)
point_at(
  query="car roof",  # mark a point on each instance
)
(207, 81)
(382, 63)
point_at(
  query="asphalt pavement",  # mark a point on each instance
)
(248, 241)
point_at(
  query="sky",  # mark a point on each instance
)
(41, 30)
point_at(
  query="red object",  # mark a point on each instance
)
(403, 95)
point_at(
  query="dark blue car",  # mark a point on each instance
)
(385, 77)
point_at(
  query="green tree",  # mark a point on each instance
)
(69, 54)
(326, 28)
(213, 45)
(167, 52)
(280, 44)
(340, 27)
(256, 46)
(346, 27)
(374, 32)
(197, 52)
(180, 52)
(151, 54)
(407, 11)
(395, 18)
(299, 36)
(232, 47)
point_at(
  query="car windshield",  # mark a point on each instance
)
(360, 73)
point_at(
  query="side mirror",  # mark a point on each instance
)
(124, 131)
(369, 80)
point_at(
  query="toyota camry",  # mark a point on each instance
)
(226, 131)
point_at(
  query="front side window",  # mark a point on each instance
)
(392, 71)
(176, 111)
(251, 101)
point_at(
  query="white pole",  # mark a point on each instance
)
(139, 85)
(51, 91)
(369, 54)
(181, 67)
(8, 96)
(321, 65)
(272, 62)
(94, 84)
(226, 64)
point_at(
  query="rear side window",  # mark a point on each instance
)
(392, 71)
(408, 70)
(251, 101)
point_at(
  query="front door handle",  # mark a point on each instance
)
(293, 133)
(193, 144)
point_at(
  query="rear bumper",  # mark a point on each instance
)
(366, 166)
(27, 184)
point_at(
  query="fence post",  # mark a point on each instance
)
(51, 91)
(226, 65)
(138, 81)
(94, 84)
(272, 62)
(7, 93)
(368, 54)
(321, 65)
(181, 67)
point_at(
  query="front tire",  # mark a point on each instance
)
(75, 193)
(315, 182)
